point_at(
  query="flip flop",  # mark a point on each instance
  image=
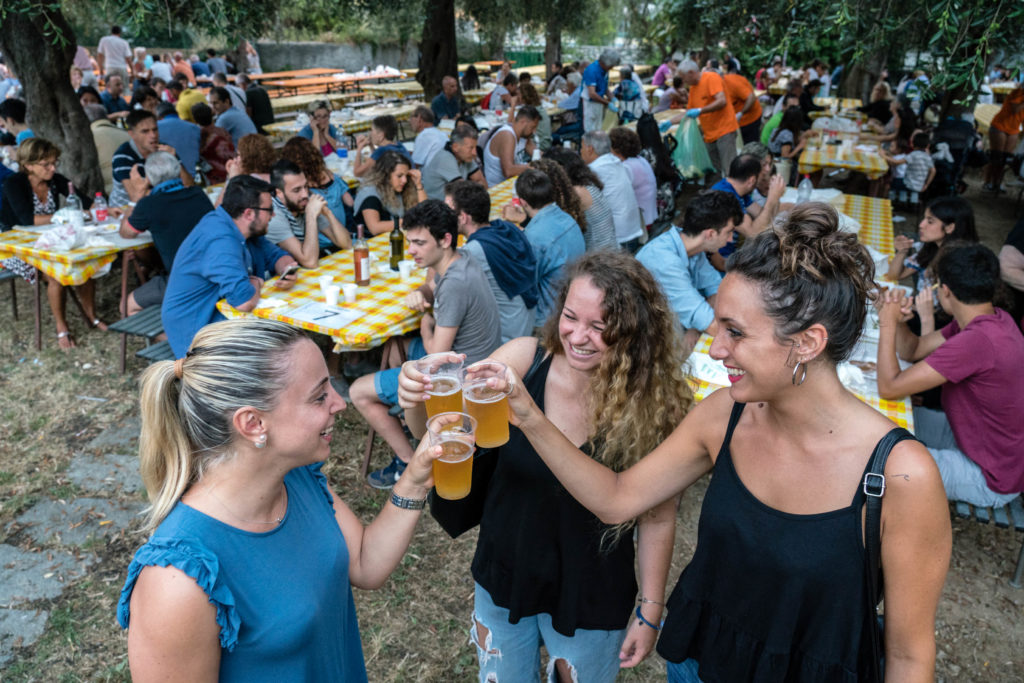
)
(65, 341)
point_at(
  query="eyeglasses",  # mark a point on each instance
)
(269, 209)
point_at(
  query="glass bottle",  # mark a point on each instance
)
(361, 255)
(397, 245)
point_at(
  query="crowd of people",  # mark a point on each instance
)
(592, 292)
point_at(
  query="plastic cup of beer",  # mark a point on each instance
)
(454, 432)
(489, 406)
(446, 380)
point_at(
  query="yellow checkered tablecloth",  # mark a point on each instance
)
(382, 301)
(1004, 88)
(899, 412)
(501, 194)
(301, 102)
(400, 90)
(74, 267)
(875, 218)
(815, 159)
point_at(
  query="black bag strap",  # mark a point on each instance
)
(874, 488)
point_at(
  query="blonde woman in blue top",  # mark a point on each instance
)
(247, 574)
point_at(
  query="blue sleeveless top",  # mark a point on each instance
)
(284, 603)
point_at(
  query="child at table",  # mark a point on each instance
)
(917, 170)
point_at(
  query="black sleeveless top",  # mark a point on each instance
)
(539, 551)
(770, 596)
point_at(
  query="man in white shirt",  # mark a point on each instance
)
(115, 54)
(596, 151)
(429, 140)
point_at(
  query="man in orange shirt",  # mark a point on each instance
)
(182, 66)
(744, 102)
(710, 105)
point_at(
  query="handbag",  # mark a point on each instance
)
(874, 489)
(457, 517)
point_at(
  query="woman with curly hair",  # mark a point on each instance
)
(320, 179)
(600, 231)
(609, 373)
(779, 588)
(255, 157)
(392, 187)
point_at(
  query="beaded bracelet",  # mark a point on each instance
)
(644, 621)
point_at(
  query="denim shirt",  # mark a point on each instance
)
(686, 280)
(556, 240)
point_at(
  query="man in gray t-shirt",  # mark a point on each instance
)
(302, 223)
(464, 319)
(457, 160)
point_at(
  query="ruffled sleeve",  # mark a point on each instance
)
(196, 562)
(321, 480)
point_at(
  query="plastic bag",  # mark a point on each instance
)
(690, 155)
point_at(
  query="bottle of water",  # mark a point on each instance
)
(99, 208)
(803, 190)
(75, 204)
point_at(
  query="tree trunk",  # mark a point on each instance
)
(43, 65)
(438, 56)
(859, 78)
(552, 46)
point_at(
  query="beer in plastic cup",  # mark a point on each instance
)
(489, 406)
(453, 471)
(446, 378)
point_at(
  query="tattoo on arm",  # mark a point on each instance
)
(906, 477)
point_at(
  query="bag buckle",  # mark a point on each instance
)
(874, 487)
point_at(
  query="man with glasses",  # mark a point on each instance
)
(226, 256)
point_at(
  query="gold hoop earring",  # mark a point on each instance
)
(803, 376)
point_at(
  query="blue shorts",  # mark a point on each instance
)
(385, 382)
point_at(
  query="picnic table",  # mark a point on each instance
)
(843, 103)
(295, 73)
(282, 130)
(900, 411)
(294, 85)
(301, 102)
(72, 267)
(983, 115)
(400, 89)
(861, 158)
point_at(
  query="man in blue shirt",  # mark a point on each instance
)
(595, 89)
(678, 259)
(235, 122)
(555, 237)
(225, 256)
(448, 103)
(199, 68)
(181, 135)
(113, 99)
(744, 172)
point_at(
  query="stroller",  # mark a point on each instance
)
(659, 155)
(960, 137)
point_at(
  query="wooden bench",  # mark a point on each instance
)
(1008, 516)
(154, 352)
(146, 323)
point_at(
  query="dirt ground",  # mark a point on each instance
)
(415, 627)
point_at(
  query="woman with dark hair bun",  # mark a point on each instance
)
(778, 588)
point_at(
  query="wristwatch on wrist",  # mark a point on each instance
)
(407, 503)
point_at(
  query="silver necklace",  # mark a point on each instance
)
(240, 519)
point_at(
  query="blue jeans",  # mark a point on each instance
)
(385, 382)
(683, 672)
(511, 652)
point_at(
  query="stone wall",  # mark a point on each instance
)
(295, 55)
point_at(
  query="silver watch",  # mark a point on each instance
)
(408, 503)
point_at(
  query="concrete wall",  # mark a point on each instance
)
(295, 55)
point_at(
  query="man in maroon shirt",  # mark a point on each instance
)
(977, 440)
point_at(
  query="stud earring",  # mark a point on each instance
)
(261, 441)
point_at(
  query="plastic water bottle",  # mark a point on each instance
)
(803, 190)
(99, 208)
(75, 204)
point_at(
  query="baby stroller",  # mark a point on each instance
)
(665, 172)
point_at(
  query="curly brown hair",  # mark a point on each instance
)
(256, 153)
(565, 195)
(638, 394)
(308, 158)
(380, 178)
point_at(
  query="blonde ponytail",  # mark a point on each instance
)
(186, 420)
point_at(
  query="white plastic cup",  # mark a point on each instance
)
(405, 269)
(350, 289)
(331, 294)
(325, 281)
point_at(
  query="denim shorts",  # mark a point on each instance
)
(682, 672)
(385, 382)
(511, 653)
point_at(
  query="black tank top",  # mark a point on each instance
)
(539, 550)
(770, 596)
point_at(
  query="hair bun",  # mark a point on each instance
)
(811, 245)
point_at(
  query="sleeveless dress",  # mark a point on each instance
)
(284, 603)
(539, 551)
(770, 596)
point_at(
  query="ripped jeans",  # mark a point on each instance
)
(511, 652)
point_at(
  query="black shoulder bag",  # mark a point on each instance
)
(457, 517)
(874, 488)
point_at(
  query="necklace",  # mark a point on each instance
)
(240, 519)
